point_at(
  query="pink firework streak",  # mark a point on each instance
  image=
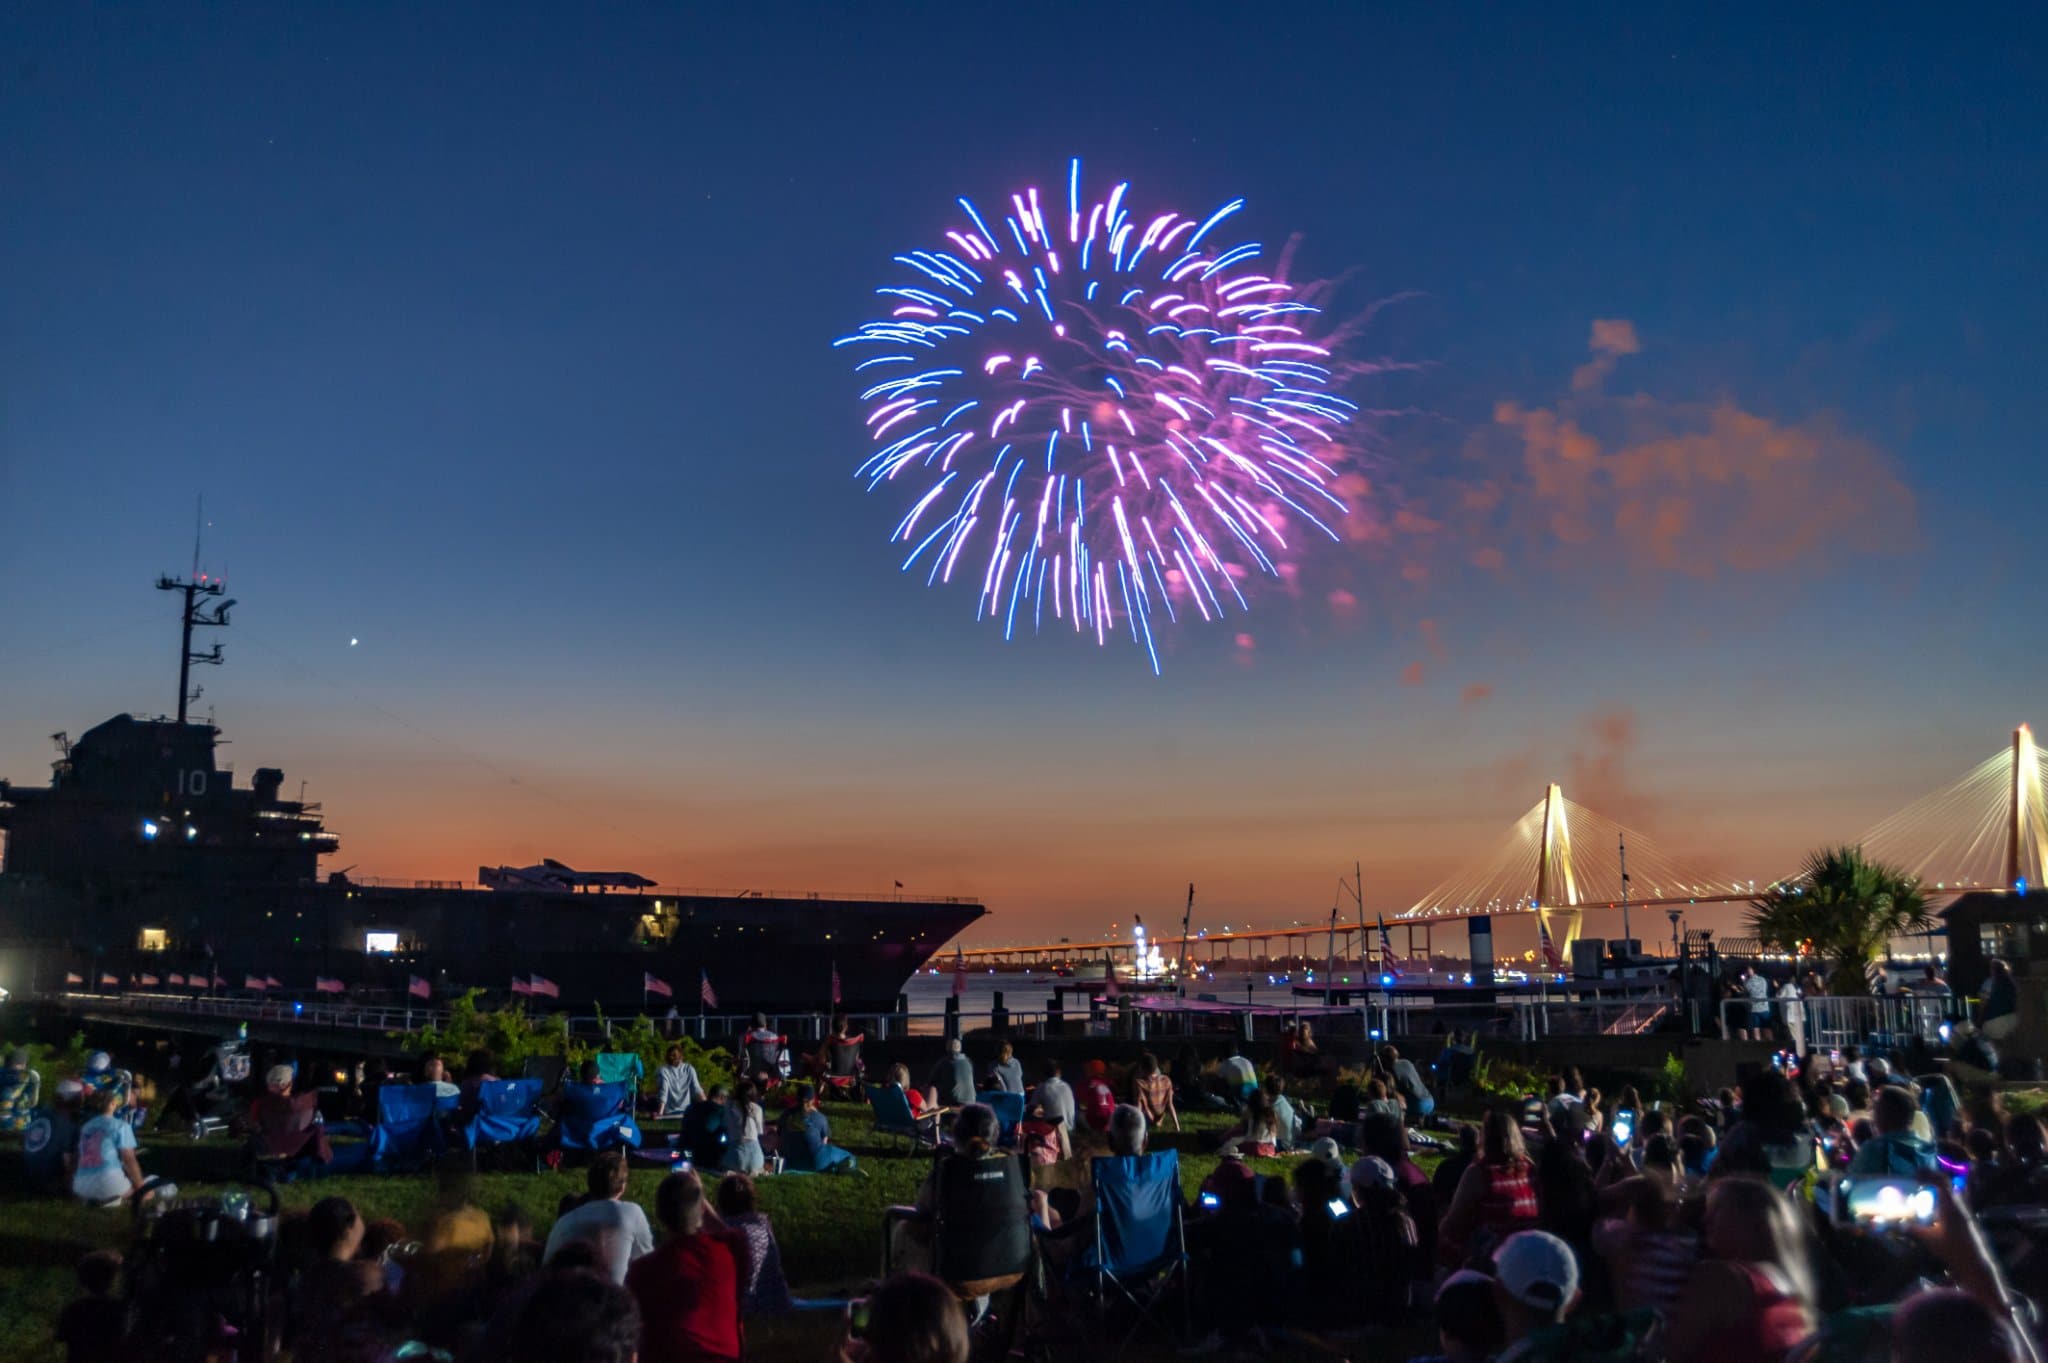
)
(1100, 419)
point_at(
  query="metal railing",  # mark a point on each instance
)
(1829, 1022)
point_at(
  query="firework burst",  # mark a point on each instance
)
(1108, 422)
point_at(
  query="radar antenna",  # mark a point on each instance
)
(198, 613)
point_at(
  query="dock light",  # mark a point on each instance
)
(149, 830)
(190, 832)
(1375, 1034)
(298, 1007)
(2020, 886)
(1386, 981)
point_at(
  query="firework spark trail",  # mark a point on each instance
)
(1099, 414)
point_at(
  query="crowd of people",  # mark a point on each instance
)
(1834, 1205)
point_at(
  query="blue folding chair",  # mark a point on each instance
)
(507, 1113)
(1140, 1252)
(596, 1117)
(891, 1108)
(407, 1135)
(1009, 1110)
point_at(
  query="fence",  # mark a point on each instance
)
(1824, 1023)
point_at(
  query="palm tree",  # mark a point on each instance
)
(1843, 908)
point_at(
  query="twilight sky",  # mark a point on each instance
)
(498, 339)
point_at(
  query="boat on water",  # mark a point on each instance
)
(143, 862)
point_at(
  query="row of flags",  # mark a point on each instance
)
(523, 986)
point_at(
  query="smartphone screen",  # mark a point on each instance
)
(1338, 1207)
(1210, 1202)
(1624, 1126)
(1886, 1204)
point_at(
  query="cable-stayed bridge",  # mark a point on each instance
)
(1988, 830)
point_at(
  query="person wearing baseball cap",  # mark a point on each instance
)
(1535, 1284)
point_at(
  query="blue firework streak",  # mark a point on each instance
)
(1104, 420)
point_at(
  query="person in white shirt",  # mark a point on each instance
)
(1008, 1071)
(678, 1085)
(615, 1228)
(1055, 1097)
(1238, 1077)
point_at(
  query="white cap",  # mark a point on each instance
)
(99, 1062)
(1537, 1269)
(70, 1090)
(1372, 1172)
(1328, 1149)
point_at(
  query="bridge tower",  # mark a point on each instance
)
(2026, 834)
(1556, 888)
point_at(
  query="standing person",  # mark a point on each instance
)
(676, 1085)
(688, 1289)
(744, 1121)
(615, 1228)
(1152, 1091)
(2001, 1001)
(1757, 987)
(952, 1078)
(1793, 1012)
(1496, 1195)
(1008, 1071)
(764, 1291)
(807, 1137)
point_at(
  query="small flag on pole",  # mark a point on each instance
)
(107, 979)
(650, 985)
(705, 993)
(1109, 982)
(836, 999)
(324, 984)
(1390, 964)
(418, 987)
(255, 982)
(177, 981)
(72, 977)
(1549, 945)
(150, 981)
(220, 981)
(959, 973)
(520, 986)
(543, 987)
(899, 884)
(270, 982)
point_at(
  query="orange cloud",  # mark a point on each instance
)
(1473, 694)
(1697, 488)
(1411, 675)
(1342, 600)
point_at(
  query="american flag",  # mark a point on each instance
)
(149, 981)
(705, 992)
(418, 987)
(650, 985)
(256, 982)
(1543, 937)
(177, 981)
(520, 986)
(835, 982)
(543, 987)
(1390, 964)
(72, 977)
(270, 982)
(109, 979)
(326, 985)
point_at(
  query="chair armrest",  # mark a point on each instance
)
(904, 1213)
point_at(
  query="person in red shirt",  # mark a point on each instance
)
(688, 1289)
(1098, 1099)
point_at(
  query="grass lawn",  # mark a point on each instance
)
(829, 1226)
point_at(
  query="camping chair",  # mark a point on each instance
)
(621, 1067)
(891, 1107)
(407, 1135)
(284, 1144)
(1140, 1252)
(596, 1117)
(507, 1114)
(1009, 1110)
(843, 1066)
(768, 1058)
(549, 1069)
(981, 1243)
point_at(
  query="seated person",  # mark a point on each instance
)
(839, 1055)
(1407, 1084)
(1054, 1095)
(743, 1125)
(1128, 1134)
(807, 1137)
(952, 1078)
(101, 1076)
(1241, 1253)
(985, 1197)
(21, 1090)
(1259, 1132)
(1285, 1118)
(434, 1070)
(705, 1136)
(51, 1141)
(676, 1085)
(1236, 1078)
(105, 1171)
(1152, 1091)
(1097, 1099)
(765, 1290)
(616, 1228)
(476, 1072)
(690, 1287)
(1007, 1074)
(1894, 1151)
(766, 1054)
(283, 1126)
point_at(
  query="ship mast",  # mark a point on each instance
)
(197, 614)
